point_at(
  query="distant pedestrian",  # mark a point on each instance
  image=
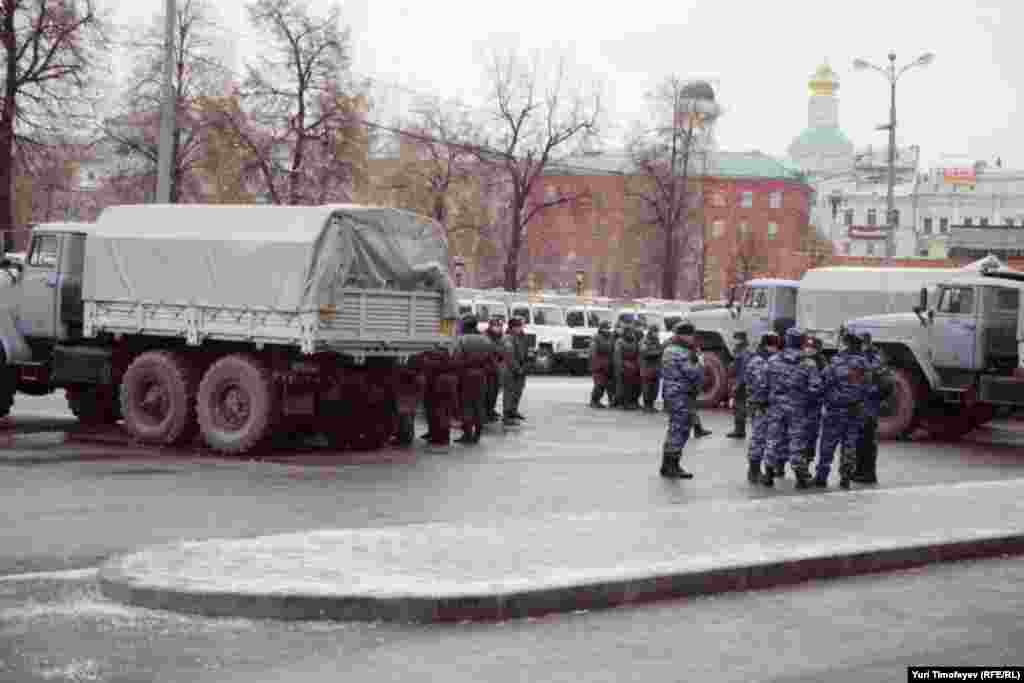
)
(682, 375)
(755, 374)
(514, 380)
(740, 356)
(845, 391)
(602, 348)
(651, 350)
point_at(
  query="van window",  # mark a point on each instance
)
(596, 317)
(490, 311)
(547, 315)
(521, 312)
(785, 302)
(956, 300)
(45, 250)
(671, 321)
(465, 309)
(626, 318)
(756, 298)
(574, 319)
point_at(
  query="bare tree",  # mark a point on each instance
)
(198, 73)
(533, 130)
(299, 125)
(51, 49)
(750, 258)
(667, 183)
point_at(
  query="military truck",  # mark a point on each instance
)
(950, 361)
(233, 322)
(760, 306)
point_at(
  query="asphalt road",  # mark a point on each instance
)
(71, 504)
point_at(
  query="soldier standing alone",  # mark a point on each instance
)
(651, 350)
(514, 377)
(602, 346)
(741, 356)
(682, 375)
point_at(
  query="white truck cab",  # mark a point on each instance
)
(583, 320)
(545, 330)
(484, 310)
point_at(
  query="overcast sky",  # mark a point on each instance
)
(760, 55)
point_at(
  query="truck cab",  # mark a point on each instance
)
(583, 321)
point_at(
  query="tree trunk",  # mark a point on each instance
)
(512, 261)
(7, 117)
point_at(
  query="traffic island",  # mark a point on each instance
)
(530, 567)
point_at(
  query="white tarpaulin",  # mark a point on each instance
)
(283, 258)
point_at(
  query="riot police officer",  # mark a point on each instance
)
(682, 375)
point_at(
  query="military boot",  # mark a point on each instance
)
(768, 478)
(803, 478)
(754, 472)
(868, 474)
(596, 404)
(736, 434)
(821, 480)
(670, 467)
(699, 431)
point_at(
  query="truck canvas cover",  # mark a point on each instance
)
(828, 297)
(262, 257)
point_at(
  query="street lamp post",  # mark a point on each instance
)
(892, 74)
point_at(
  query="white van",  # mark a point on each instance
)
(546, 332)
(583, 320)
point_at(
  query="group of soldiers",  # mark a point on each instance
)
(462, 384)
(801, 403)
(626, 364)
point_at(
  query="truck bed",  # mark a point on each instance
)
(366, 322)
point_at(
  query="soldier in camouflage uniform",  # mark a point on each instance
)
(682, 375)
(845, 391)
(813, 349)
(756, 380)
(651, 350)
(740, 356)
(602, 347)
(474, 355)
(627, 367)
(495, 334)
(793, 379)
(879, 387)
(514, 379)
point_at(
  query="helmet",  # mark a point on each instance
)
(866, 338)
(851, 339)
(469, 322)
(684, 328)
(771, 339)
(604, 326)
(794, 338)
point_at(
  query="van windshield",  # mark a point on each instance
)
(547, 315)
(596, 316)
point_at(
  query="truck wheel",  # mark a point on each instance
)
(716, 381)
(897, 414)
(158, 398)
(237, 404)
(94, 405)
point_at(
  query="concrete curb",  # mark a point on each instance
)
(118, 585)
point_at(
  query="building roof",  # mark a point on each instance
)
(751, 165)
(822, 137)
(989, 238)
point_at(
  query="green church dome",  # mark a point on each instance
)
(824, 137)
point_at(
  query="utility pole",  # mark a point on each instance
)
(165, 152)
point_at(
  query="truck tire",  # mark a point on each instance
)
(716, 381)
(902, 406)
(94, 406)
(237, 405)
(158, 398)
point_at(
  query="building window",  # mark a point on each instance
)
(871, 249)
(775, 200)
(927, 226)
(773, 230)
(968, 222)
(943, 225)
(744, 229)
(848, 217)
(984, 222)
(718, 229)
(746, 200)
(872, 217)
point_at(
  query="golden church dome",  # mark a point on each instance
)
(824, 82)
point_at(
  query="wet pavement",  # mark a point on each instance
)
(77, 504)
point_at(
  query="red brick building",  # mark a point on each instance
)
(752, 210)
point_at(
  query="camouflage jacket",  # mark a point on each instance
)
(682, 374)
(603, 345)
(846, 380)
(651, 350)
(755, 377)
(792, 382)
(739, 364)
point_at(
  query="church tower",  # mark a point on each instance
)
(822, 148)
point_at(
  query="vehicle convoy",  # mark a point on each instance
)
(233, 322)
(819, 303)
(955, 362)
